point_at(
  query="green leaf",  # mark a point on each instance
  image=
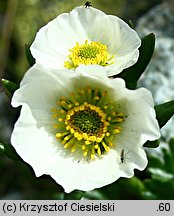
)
(164, 112)
(9, 151)
(75, 195)
(152, 144)
(132, 74)
(160, 183)
(10, 87)
(29, 56)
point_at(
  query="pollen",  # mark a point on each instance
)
(86, 123)
(88, 54)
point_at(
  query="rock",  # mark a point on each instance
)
(159, 76)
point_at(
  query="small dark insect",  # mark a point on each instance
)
(123, 156)
(88, 4)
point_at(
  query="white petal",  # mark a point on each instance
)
(53, 41)
(126, 39)
(34, 137)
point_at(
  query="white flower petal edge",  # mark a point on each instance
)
(53, 41)
(34, 139)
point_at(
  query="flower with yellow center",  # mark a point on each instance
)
(77, 126)
(86, 36)
(88, 54)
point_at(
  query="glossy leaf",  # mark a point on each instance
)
(75, 195)
(164, 112)
(10, 87)
(9, 151)
(160, 184)
(132, 74)
(29, 56)
(152, 144)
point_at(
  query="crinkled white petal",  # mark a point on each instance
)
(53, 41)
(34, 137)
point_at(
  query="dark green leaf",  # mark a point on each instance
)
(132, 74)
(148, 195)
(160, 183)
(58, 196)
(164, 112)
(9, 151)
(10, 87)
(75, 195)
(152, 144)
(29, 56)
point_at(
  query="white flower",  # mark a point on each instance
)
(86, 36)
(82, 128)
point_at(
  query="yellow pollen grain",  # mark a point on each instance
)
(85, 136)
(69, 106)
(83, 147)
(98, 139)
(60, 119)
(67, 138)
(68, 127)
(119, 119)
(58, 135)
(96, 146)
(76, 103)
(99, 151)
(116, 131)
(105, 147)
(72, 130)
(85, 152)
(76, 109)
(76, 134)
(73, 148)
(68, 117)
(111, 144)
(92, 156)
(92, 138)
(107, 134)
(79, 137)
(67, 145)
(87, 142)
(63, 103)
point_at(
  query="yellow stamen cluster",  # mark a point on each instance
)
(78, 133)
(86, 122)
(89, 53)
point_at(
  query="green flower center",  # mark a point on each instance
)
(86, 123)
(92, 53)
